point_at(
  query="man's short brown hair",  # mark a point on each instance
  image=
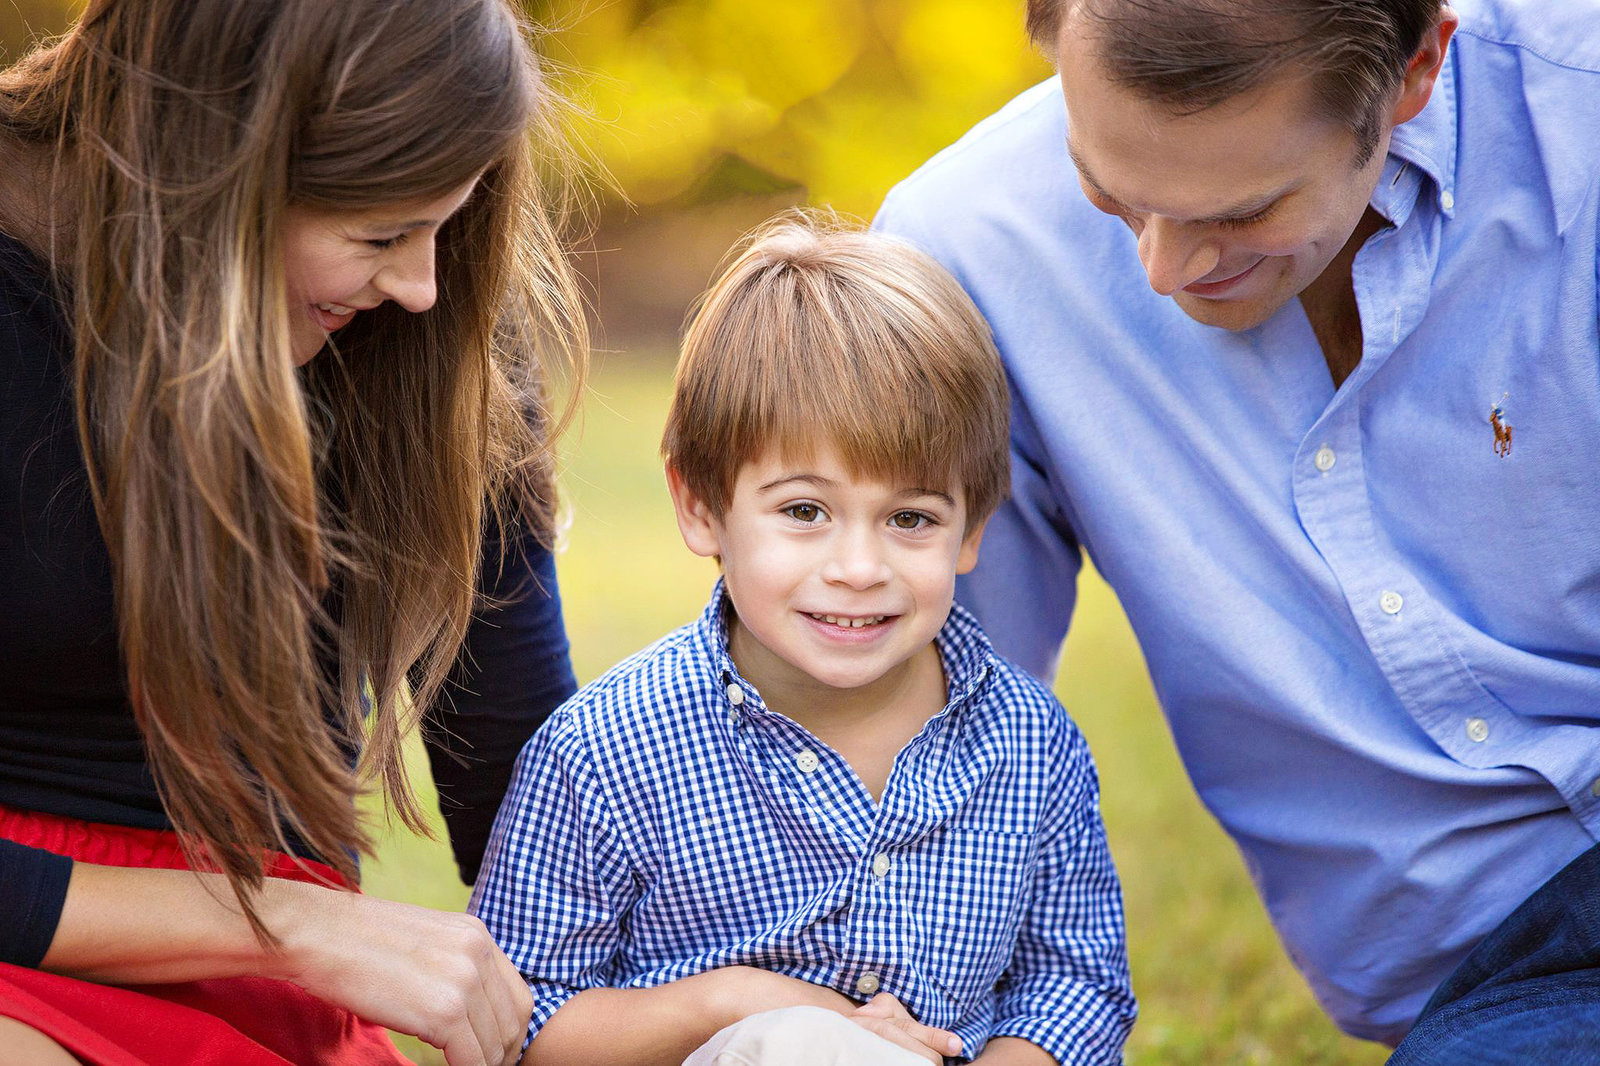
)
(818, 333)
(1193, 54)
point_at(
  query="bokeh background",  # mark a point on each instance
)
(708, 115)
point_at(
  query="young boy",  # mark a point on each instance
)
(824, 823)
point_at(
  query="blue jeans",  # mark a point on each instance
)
(1529, 994)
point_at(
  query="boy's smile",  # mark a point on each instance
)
(838, 582)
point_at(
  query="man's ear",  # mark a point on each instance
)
(1416, 86)
(700, 528)
(967, 558)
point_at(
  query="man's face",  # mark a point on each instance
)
(1236, 208)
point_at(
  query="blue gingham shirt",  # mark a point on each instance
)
(664, 822)
(1376, 639)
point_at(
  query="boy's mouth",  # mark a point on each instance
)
(845, 622)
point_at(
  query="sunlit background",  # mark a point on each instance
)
(709, 115)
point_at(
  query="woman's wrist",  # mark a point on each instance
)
(295, 914)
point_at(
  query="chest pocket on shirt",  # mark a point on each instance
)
(966, 910)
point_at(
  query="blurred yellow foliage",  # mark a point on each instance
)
(839, 97)
(692, 100)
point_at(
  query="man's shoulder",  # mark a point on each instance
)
(1017, 155)
(1529, 73)
(1032, 122)
(1559, 32)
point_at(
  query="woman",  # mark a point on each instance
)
(278, 297)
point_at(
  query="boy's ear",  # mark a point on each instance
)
(695, 520)
(967, 558)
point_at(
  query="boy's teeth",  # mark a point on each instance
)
(849, 623)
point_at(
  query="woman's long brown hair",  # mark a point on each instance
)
(266, 522)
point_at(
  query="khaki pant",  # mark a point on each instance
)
(800, 1036)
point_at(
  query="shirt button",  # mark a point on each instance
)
(1447, 200)
(1324, 459)
(1391, 602)
(867, 984)
(880, 864)
(806, 760)
(735, 693)
(1477, 730)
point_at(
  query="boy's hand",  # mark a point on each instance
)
(887, 1017)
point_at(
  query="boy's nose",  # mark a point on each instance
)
(857, 562)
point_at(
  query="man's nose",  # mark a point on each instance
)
(409, 279)
(1175, 254)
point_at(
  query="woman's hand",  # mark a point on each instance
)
(435, 975)
(884, 1015)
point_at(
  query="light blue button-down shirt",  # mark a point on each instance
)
(1376, 638)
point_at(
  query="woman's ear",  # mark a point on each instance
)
(700, 528)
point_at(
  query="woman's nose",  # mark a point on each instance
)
(409, 278)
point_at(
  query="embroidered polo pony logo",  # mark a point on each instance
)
(1502, 428)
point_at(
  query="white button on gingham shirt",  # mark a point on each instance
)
(664, 822)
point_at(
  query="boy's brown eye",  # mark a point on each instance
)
(907, 519)
(804, 512)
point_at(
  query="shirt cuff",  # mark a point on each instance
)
(1068, 1040)
(547, 999)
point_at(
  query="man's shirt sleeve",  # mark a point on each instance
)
(1025, 583)
(555, 881)
(1067, 988)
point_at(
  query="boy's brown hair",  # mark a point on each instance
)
(817, 331)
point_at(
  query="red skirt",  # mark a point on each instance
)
(236, 1021)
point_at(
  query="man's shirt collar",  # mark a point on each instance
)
(1425, 145)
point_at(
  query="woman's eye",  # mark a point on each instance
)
(803, 512)
(385, 243)
(908, 520)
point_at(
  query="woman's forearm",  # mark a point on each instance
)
(139, 926)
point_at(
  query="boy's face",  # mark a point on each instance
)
(837, 581)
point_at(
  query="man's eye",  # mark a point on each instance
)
(908, 520)
(803, 512)
(1248, 220)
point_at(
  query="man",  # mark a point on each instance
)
(1298, 300)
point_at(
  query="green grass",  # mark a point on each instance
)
(1213, 983)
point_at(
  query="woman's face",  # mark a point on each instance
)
(338, 264)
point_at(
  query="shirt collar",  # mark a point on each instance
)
(963, 649)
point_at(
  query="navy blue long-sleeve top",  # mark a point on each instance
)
(69, 744)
